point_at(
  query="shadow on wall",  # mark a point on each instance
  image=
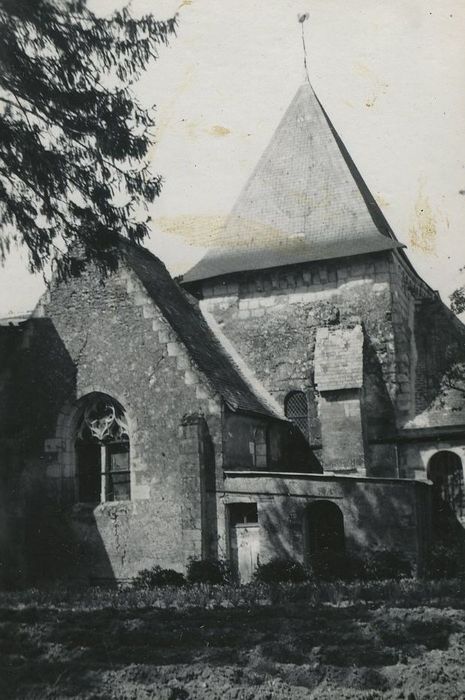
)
(210, 516)
(378, 414)
(299, 456)
(445, 470)
(36, 537)
(447, 528)
(374, 517)
(440, 376)
(379, 408)
(256, 443)
(54, 551)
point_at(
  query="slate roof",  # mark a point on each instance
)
(305, 201)
(182, 312)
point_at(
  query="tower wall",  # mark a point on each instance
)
(272, 316)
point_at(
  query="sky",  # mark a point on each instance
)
(390, 76)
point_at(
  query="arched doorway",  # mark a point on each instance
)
(445, 470)
(324, 530)
(102, 450)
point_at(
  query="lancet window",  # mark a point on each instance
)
(102, 450)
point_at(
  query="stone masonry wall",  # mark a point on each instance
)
(271, 317)
(377, 513)
(429, 340)
(440, 343)
(109, 337)
(339, 368)
(407, 291)
(343, 434)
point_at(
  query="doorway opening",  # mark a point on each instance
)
(244, 540)
(323, 534)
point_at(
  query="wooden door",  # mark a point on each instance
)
(245, 550)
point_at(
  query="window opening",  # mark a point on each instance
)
(102, 446)
(296, 409)
(259, 448)
(243, 514)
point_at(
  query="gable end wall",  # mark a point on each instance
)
(87, 336)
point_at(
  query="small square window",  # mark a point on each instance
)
(243, 514)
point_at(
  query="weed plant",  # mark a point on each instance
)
(406, 592)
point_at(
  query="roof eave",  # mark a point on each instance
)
(205, 269)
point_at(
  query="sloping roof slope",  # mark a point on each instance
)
(184, 315)
(305, 201)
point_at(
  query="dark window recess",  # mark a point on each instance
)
(296, 409)
(89, 472)
(118, 480)
(243, 513)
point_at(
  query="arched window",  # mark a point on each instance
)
(259, 448)
(102, 451)
(296, 409)
(446, 472)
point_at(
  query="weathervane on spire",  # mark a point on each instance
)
(302, 19)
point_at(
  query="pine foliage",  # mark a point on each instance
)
(74, 140)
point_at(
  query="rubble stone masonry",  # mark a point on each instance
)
(90, 335)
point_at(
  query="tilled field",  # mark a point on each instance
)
(292, 651)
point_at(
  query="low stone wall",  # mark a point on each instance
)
(378, 513)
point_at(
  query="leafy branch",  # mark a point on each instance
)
(74, 140)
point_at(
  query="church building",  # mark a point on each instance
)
(288, 396)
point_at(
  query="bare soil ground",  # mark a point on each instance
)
(293, 650)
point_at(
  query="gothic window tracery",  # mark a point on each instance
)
(102, 447)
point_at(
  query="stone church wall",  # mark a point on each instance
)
(440, 342)
(408, 292)
(271, 317)
(109, 337)
(429, 339)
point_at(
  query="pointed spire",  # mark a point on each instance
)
(305, 201)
